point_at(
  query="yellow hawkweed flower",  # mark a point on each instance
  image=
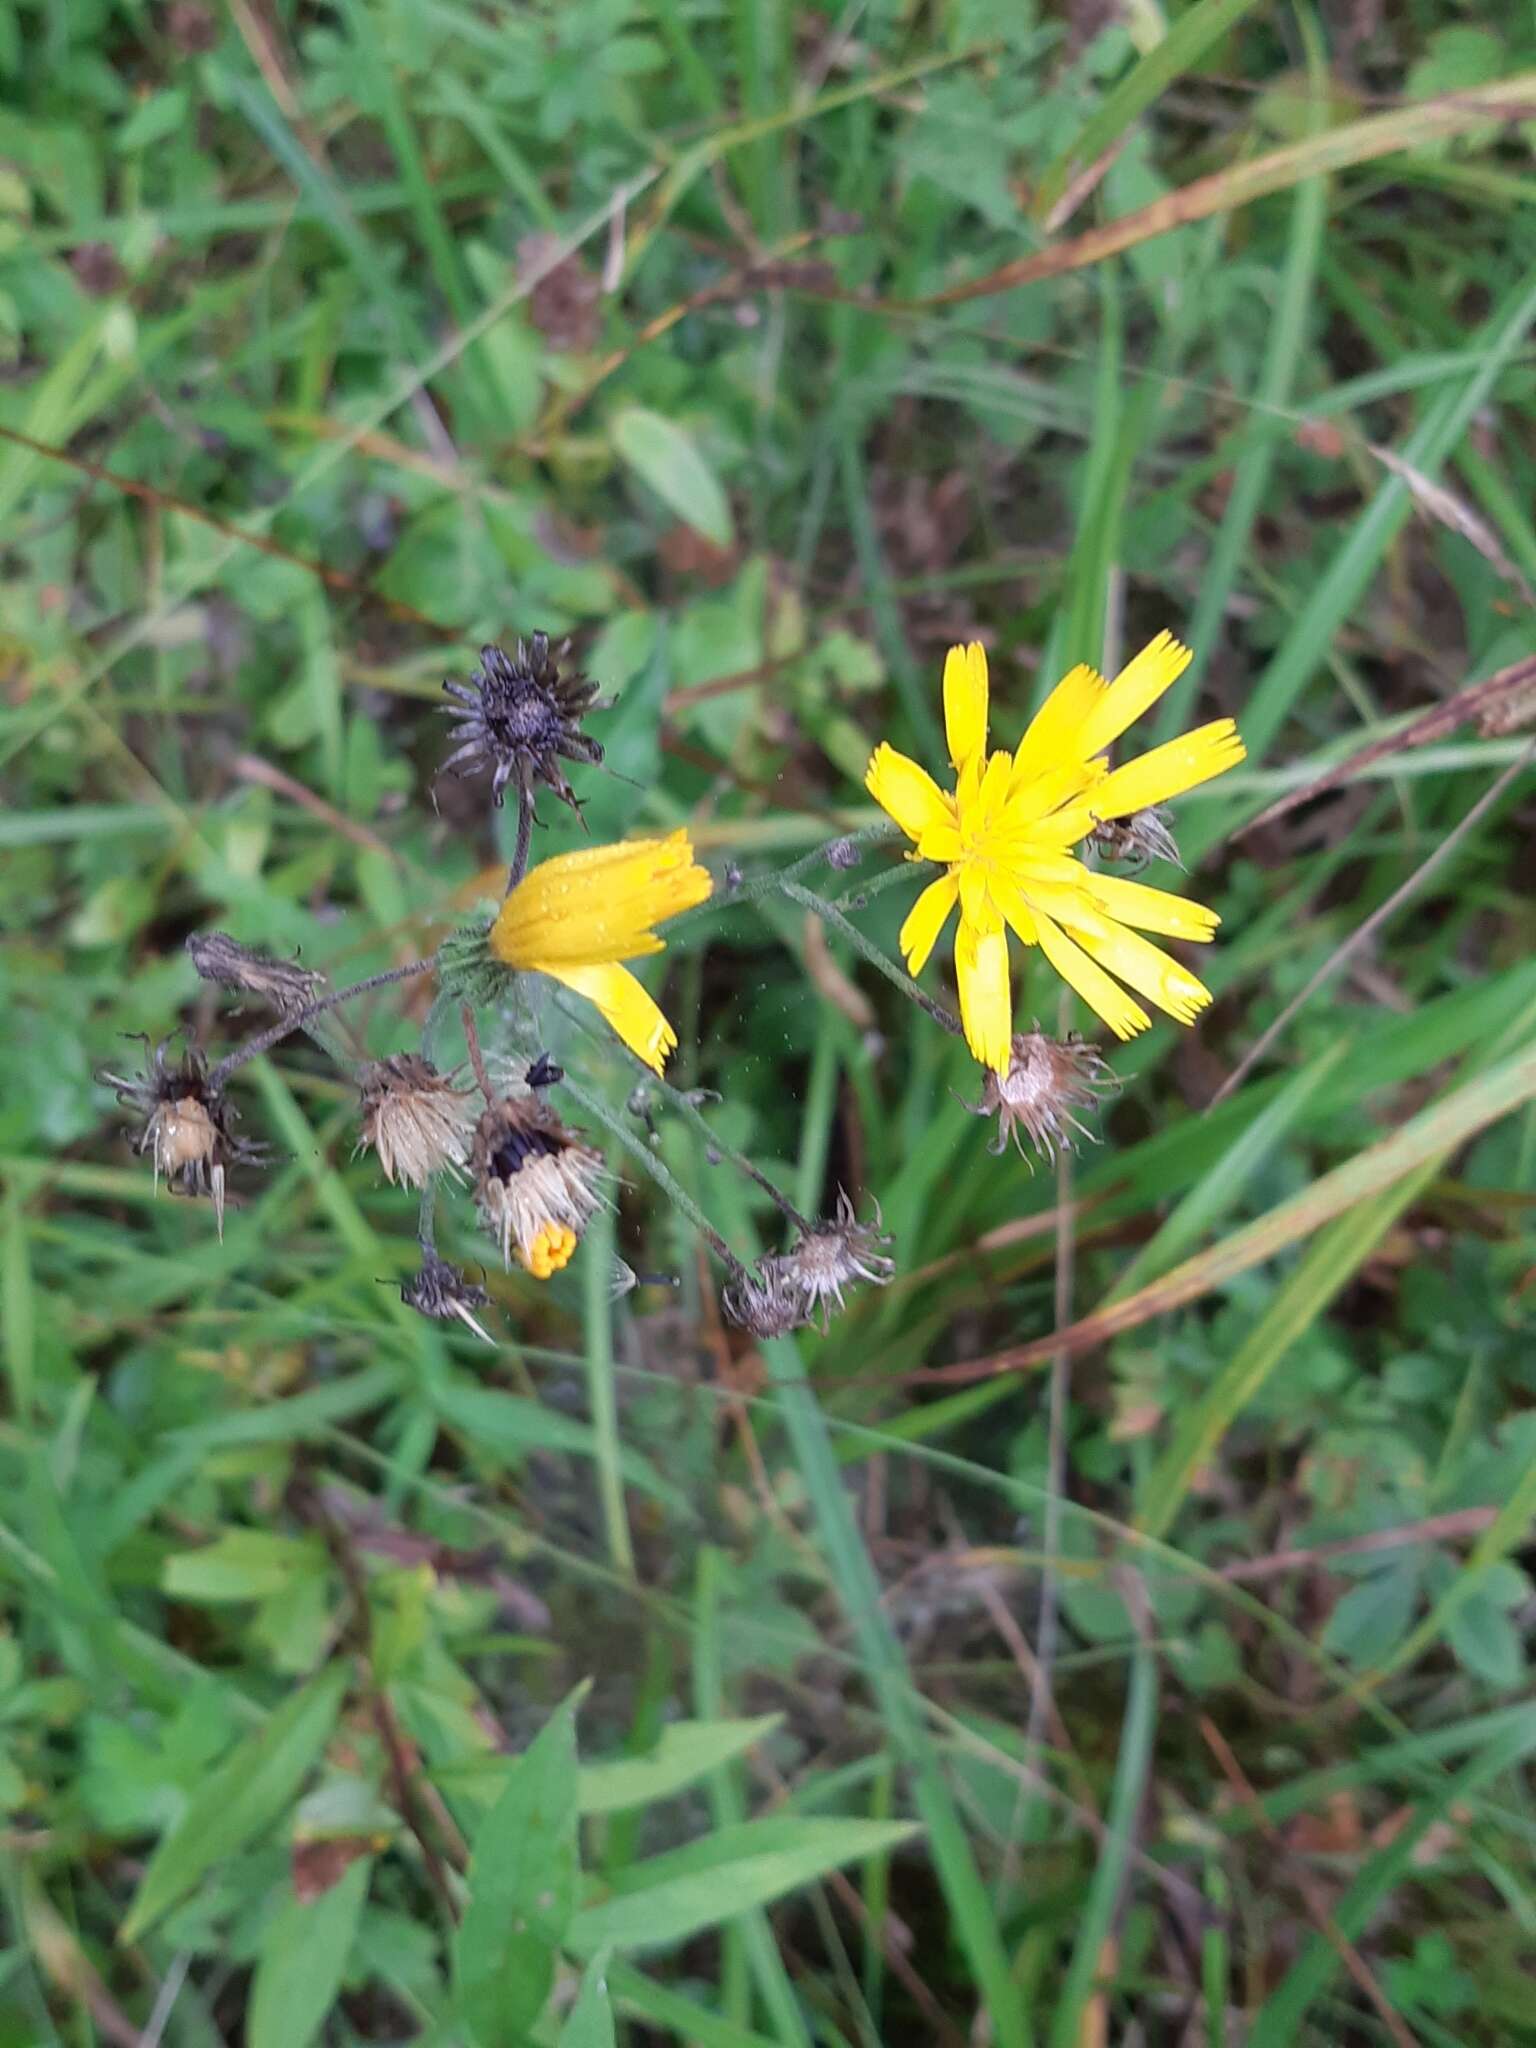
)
(577, 916)
(1004, 840)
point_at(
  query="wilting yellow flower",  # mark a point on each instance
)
(1004, 840)
(577, 916)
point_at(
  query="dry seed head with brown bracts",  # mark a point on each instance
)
(518, 716)
(188, 1126)
(1048, 1081)
(415, 1119)
(793, 1288)
(538, 1186)
(440, 1290)
(217, 957)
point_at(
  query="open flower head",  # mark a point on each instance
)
(1005, 838)
(576, 917)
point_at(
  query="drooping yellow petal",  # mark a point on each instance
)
(626, 1005)
(925, 920)
(1122, 1013)
(1150, 971)
(986, 1001)
(1151, 910)
(1055, 728)
(907, 792)
(1137, 687)
(965, 702)
(599, 903)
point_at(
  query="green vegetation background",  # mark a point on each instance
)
(400, 325)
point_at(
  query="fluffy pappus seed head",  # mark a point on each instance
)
(800, 1286)
(537, 1185)
(1048, 1081)
(440, 1291)
(248, 971)
(187, 1125)
(1141, 838)
(415, 1119)
(518, 717)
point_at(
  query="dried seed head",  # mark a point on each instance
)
(1142, 837)
(415, 1119)
(537, 1184)
(440, 1290)
(767, 1304)
(518, 716)
(188, 1125)
(218, 957)
(1047, 1082)
(793, 1288)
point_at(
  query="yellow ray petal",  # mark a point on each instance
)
(965, 702)
(907, 792)
(986, 1001)
(1122, 1013)
(1137, 687)
(1033, 796)
(1168, 770)
(1054, 729)
(925, 920)
(976, 905)
(1151, 910)
(598, 903)
(1150, 971)
(1012, 900)
(627, 1007)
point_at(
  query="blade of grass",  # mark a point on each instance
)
(730, 1809)
(1179, 51)
(1355, 142)
(602, 1399)
(975, 1926)
(1271, 422)
(1279, 2024)
(1112, 1867)
(1353, 566)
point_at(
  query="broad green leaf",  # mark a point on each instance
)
(590, 2021)
(666, 458)
(242, 1564)
(1372, 1618)
(671, 1897)
(241, 1798)
(302, 1961)
(522, 1891)
(1487, 1641)
(687, 1751)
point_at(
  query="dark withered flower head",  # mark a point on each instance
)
(537, 1185)
(188, 1125)
(519, 717)
(417, 1121)
(767, 1304)
(246, 969)
(1048, 1081)
(440, 1291)
(1142, 837)
(793, 1288)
